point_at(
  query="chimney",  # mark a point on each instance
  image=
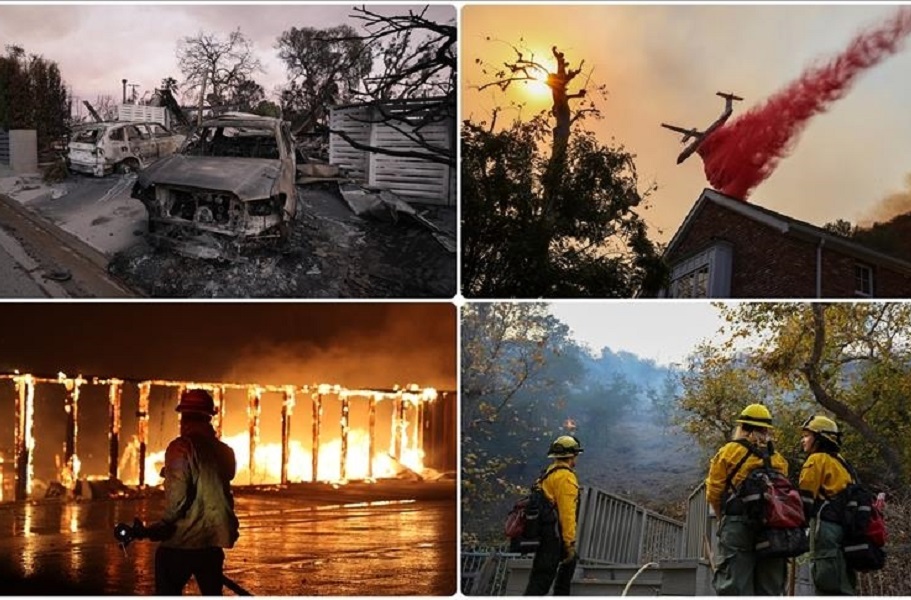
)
(124, 81)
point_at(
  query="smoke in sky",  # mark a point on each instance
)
(744, 152)
(897, 203)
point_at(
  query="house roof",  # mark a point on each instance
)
(786, 226)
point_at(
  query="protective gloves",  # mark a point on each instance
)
(569, 553)
(158, 531)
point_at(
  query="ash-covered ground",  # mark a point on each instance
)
(331, 253)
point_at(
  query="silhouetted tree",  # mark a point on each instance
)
(414, 89)
(562, 224)
(216, 68)
(325, 67)
(33, 96)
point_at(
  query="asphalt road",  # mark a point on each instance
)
(43, 260)
(20, 274)
(353, 542)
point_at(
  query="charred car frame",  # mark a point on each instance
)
(101, 148)
(230, 186)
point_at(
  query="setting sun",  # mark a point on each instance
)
(536, 88)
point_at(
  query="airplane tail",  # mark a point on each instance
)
(728, 96)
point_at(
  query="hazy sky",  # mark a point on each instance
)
(352, 344)
(97, 46)
(663, 331)
(665, 63)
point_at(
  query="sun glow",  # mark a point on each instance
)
(537, 88)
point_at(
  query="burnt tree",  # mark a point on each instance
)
(416, 87)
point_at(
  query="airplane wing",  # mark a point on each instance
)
(687, 133)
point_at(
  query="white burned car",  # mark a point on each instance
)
(101, 148)
(229, 186)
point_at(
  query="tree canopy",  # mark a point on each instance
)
(562, 223)
(325, 67)
(33, 95)
(216, 69)
(849, 361)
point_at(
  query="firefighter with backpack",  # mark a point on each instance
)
(738, 570)
(825, 475)
(555, 559)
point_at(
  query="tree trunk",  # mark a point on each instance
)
(811, 370)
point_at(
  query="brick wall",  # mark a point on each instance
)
(769, 264)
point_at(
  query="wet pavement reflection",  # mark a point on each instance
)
(305, 541)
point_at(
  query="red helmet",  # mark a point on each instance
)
(196, 401)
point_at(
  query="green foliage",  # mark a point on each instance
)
(849, 361)
(533, 228)
(268, 109)
(54, 172)
(33, 96)
(246, 96)
(511, 397)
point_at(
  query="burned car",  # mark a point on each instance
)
(229, 187)
(101, 148)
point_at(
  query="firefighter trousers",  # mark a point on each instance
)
(175, 566)
(548, 569)
(738, 571)
(831, 575)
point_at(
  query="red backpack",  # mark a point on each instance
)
(863, 524)
(772, 502)
(531, 516)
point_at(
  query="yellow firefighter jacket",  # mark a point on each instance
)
(822, 476)
(562, 488)
(723, 464)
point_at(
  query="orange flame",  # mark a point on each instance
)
(268, 461)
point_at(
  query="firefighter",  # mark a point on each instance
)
(822, 477)
(555, 560)
(737, 569)
(199, 520)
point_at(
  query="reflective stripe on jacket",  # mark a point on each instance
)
(821, 478)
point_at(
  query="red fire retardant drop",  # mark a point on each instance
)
(744, 152)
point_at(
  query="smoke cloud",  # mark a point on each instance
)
(743, 153)
(891, 206)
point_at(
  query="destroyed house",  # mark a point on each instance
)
(407, 128)
(727, 248)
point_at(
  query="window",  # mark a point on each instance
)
(116, 135)
(863, 281)
(158, 131)
(705, 275)
(86, 136)
(694, 284)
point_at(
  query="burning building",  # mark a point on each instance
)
(281, 433)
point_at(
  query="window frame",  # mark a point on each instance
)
(860, 270)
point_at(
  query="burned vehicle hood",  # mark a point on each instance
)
(246, 178)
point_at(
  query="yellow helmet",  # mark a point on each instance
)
(824, 427)
(756, 415)
(565, 446)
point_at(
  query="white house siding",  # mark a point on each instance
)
(412, 178)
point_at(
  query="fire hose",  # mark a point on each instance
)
(125, 534)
